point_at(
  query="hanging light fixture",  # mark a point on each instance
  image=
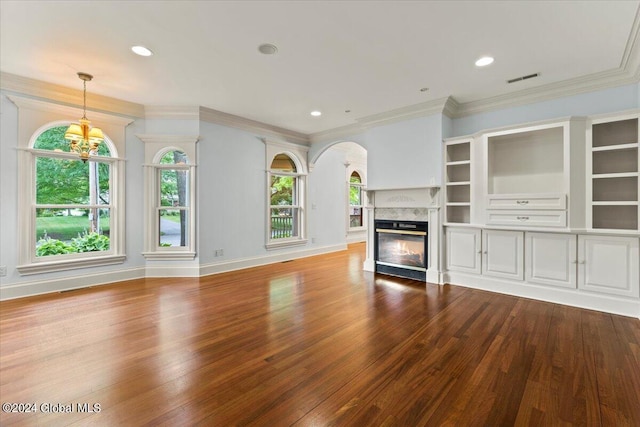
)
(83, 139)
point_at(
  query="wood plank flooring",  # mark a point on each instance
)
(313, 342)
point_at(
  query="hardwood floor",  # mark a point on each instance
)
(314, 342)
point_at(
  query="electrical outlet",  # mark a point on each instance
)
(218, 252)
(221, 252)
(3, 271)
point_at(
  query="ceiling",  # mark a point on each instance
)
(364, 57)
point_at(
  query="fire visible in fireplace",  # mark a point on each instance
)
(401, 248)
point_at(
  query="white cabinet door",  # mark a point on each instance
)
(463, 250)
(502, 254)
(551, 259)
(609, 264)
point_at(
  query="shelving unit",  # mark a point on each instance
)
(458, 181)
(529, 175)
(613, 168)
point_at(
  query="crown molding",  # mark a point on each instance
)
(172, 112)
(63, 94)
(446, 105)
(218, 117)
(435, 106)
(67, 111)
(337, 133)
(589, 83)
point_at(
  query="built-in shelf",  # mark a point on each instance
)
(526, 161)
(615, 175)
(458, 181)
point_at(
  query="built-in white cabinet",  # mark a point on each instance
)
(602, 264)
(548, 210)
(494, 253)
(613, 173)
(551, 259)
(502, 254)
(609, 264)
(463, 250)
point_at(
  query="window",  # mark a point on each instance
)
(286, 195)
(169, 197)
(356, 209)
(72, 210)
(285, 210)
(72, 213)
(173, 207)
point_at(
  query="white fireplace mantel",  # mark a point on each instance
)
(408, 204)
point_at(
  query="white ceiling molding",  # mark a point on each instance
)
(590, 83)
(337, 133)
(405, 113)
(218, 117)
(66, 110)
(172, 112)
(63, 94)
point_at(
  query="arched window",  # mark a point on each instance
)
(356, 208)
(286, 178)
(169, 197)
(73, 205)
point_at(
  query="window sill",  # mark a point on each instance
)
(286, 243)
(53, 266)
(169, 256)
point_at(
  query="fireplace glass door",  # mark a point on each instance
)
(402, 248)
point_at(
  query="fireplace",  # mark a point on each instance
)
(401, 248)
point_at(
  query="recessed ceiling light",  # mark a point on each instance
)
(141, 50)
(347, 111)
(316, 113)
(484, 61)
(267, 49)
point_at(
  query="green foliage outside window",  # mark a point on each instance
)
(62, 184)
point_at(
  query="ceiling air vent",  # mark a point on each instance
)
(517, 79)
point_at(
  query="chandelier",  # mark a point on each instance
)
(83, 139)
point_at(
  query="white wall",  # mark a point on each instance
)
(231, 194)
(327, 199)
(8, 189)
(405, 154)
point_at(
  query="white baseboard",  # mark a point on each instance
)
(26, 289)
(239, 264)
(571, 297)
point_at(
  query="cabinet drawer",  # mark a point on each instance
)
(527, 201)
(528, 218)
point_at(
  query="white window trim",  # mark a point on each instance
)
(156, 146)
(36, 117)
(298, 154)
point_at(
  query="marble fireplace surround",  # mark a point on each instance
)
(408, 204)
